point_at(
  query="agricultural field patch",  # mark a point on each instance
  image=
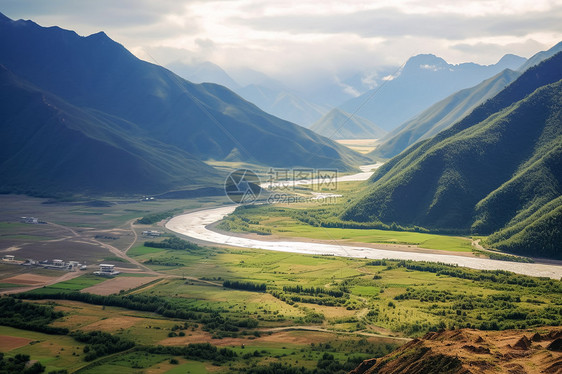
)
(28, 279)
(115, 285)
(7, 343)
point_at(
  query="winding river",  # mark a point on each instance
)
(194, 225)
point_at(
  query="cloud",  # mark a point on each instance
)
(304, 42)
(205, 43)
(499, 49)
(144, 18)
(393, 22)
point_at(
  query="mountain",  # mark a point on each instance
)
(467, 351)
(441, 115)
(496, 172)
(283, 103)
(338, 124)
(327, 89)
(541, 56)
(207, 121)
(50, 146)
(204, 72)
(446, 112)
(268, 94)
(421, 82)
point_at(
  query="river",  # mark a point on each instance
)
(194, 225)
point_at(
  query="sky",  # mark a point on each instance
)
(302, 40)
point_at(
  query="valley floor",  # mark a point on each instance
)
(194, 225)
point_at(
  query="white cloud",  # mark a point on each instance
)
(301, 41)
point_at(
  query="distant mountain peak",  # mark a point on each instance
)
(511, 61)
(99, 35)
(424, 62)
(426, 59)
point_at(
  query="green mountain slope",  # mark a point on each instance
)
(446, 112)
(50, 146)
(497, 171)
(338, 124)
(205, 120)
(442, 115)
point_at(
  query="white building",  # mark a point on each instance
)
(72, 265)
(31, 220)
(151, 233)
(106, 269)
(8, 258)
(58, 263)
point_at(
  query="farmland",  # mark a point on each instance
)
(261, 308)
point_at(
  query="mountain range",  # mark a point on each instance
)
(268, 94)
(496, 172)
(441, 115)
(95, 86)
(49, 145)
(446, 112)
(422, 81)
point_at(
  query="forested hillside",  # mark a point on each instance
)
(498, 171)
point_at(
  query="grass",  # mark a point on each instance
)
(191, 367)
(373, 303)
(76, 284)
(9, 285)
(114, 259)
(142, 250)
(279, 221)
(369, 288)
(53, 351)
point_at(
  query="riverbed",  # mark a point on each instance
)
(195, 225)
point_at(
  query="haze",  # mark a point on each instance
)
(303, 42)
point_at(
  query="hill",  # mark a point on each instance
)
(338, 124)
(469, 351)
(442, 115)
(50, 146)
(495, 171)
(421, 82)
(205, 120)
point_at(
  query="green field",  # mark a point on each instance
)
(54, 351)
(142, 250)
(340, 300)
(75, 284)
(280, 220)
(312, 311)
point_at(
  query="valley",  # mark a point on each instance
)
(280, 191)
(292, 326)
(194, 225)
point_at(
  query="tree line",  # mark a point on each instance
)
(27, 316)
(313, 291)
(155, 304)
(246, 286)
(173, 243)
